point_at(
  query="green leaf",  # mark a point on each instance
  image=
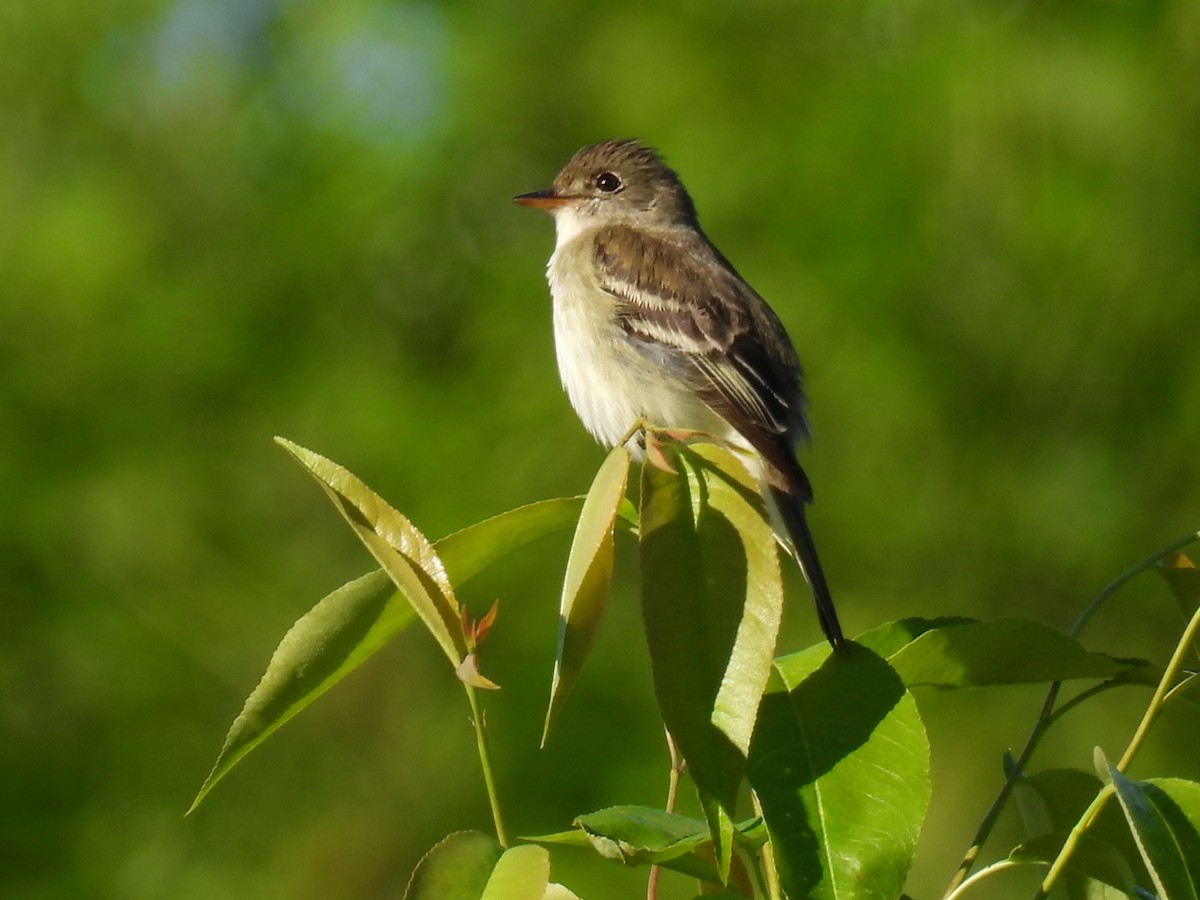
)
(1164, 816)
(325, 644)
(711, 600)
(954, 653)
(400, 549)
(467, 552)
(522, 873)
(720, 829)
(457, 868)
(640, 835)
(588, 578)
(840, 764)
(348, 626)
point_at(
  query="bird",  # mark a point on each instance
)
(652, 324)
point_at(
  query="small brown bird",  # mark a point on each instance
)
(653, 324)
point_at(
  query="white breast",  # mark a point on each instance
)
(588, 342)
(609, 381)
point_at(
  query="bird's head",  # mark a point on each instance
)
(615, 182)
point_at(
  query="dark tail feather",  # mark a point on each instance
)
(791, 510)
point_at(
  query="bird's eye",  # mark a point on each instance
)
(608, 182)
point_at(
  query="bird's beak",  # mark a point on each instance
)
(546, 199)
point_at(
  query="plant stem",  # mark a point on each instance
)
(485, 762)
(677, 766)
(1047, 714)
(989, 819)
(1121, 580)
(1083, 696)
(1068, 847)
(1135, 744)
(1160, 693)
(983, 873)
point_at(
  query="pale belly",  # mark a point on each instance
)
(612, 384)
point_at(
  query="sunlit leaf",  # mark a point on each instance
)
(400, 549)
(953, 653)
(840, 764)
(351, 624)
(522, 873)
(467, 552)
(457, 868)
(325, 644)
(588, 578)
(1164, 816)
(468, 673)
(711, 599)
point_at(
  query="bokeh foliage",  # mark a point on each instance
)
(226, 219)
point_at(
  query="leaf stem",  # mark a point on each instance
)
(1082, 696)
(485, 762)
(986, 871)
(989, 819)
(1121, 580)
(1047, 715)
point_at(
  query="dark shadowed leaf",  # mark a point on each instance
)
(840, 763)
(711, 600)
(1051, 802)
(1092, 860)
(1183, 578)
(588, 579)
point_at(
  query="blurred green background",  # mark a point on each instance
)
(222, 220)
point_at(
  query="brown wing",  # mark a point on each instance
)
(686, 307)
(682, 303)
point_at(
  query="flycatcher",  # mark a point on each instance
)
(653, 324)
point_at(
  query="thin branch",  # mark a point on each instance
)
(485, 762)
(1135, 743)
(1047, 714)
(677, 767)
